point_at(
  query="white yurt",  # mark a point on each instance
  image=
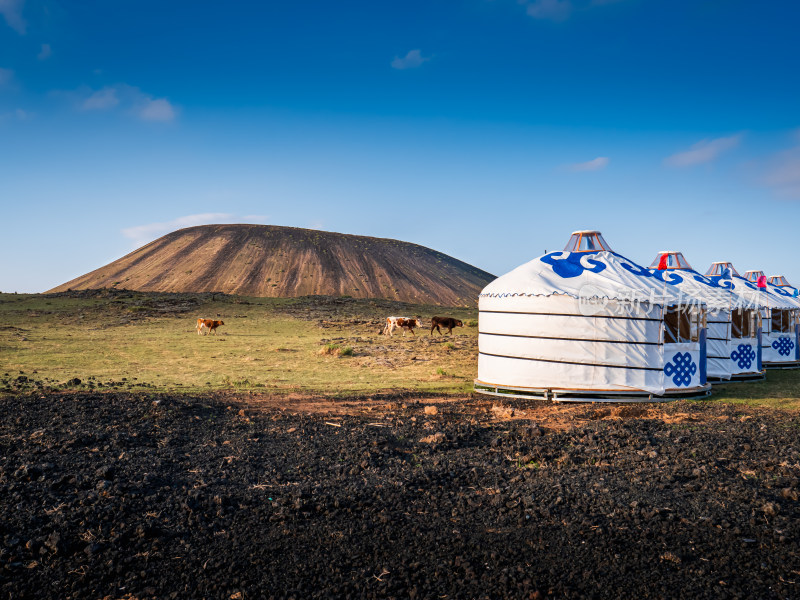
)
(779, 281)
(587, 324)
(779, 314)
(733, 329)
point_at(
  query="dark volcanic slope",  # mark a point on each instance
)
(267, 260)
(129, 497)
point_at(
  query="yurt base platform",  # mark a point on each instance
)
(739, 378)
(563, 395)
(793, 364)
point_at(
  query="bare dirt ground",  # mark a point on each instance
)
(129, 495)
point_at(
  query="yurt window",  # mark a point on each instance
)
(682, 324)
(779, 281)
(675, 260)
(716, 269)
(586, 241)
(743, 325)
(781, 321)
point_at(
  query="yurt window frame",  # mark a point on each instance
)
(576, 241)
(785, 321)
(743, 323)
(675, 260)
(716, 269)
(682, 323)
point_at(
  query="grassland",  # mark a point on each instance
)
(314, 345)
(139, 340)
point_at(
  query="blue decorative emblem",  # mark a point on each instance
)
(665, 275)
(780, 291)
(574, 264)
(744, 356)
(683, 369)
(714, 282)
(784, 345)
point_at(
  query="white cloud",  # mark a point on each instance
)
(127, 97)
(412, 60)
(783, 174)
(142, 234)
(703, 151)
(23, 115)
(596, 164)
(6, 76)
(45, 52)
(151, 231)
(12, 12)
(156, 110)
(553, 10)
(101, 99)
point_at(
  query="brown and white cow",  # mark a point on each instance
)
(403, 323)
(448, 322)
(209, 324)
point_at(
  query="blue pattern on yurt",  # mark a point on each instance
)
(797, 339)
(744, 355)
(760, 351)
(665, 275)
(784, 345)
(780, 291)
(683, 369)
(703, 357)
(714, 282)
(571, 266)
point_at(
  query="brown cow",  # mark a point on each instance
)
(403, 323)
(209, 324)
(448, 322)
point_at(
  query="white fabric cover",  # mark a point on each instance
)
(536, 332)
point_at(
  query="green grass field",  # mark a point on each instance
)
(268, 345)
(321, 346)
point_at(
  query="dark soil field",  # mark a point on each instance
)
(124, 496)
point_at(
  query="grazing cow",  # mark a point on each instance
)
(209, 324)
(403, 323)
(448, 322)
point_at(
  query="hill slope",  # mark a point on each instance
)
(268, 260)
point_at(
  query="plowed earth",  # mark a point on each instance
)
(122, 495)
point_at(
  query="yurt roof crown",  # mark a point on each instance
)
(671, 260)
(587, 241)
(752, 276)
(779, 281)
(716, 269)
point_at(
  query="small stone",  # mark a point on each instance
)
(431, 410)
(770, 509)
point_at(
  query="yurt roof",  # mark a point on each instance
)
(764, 297)
(584, 275)
(716, 293)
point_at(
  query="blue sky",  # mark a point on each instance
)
(486, 129)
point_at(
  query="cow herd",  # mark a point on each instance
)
(409, 323)
(402, 323)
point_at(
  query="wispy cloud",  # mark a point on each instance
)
(596, 164)
(703, 151)
(18, 114)
(101, 99)
(552, 10)
(155, 109)
(560, 10)
(129, 98)
(45, 52)
(782, 173)
(145, 233)
(6, 77)
(12, 13)
(412, 60)
(141, 234)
